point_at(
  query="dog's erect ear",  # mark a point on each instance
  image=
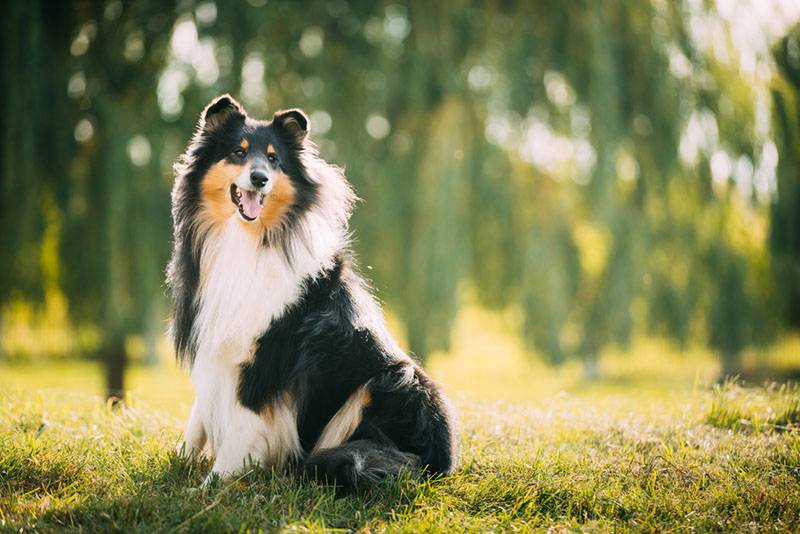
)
(218, 111)
(292, 121)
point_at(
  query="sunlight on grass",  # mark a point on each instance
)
(67, 461)
(774, 408)
(165, 386)
(487, 362)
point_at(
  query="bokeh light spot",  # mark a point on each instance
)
(378, 126)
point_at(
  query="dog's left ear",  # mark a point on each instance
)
(292, 121)
(218, 111)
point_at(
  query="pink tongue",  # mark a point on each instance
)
(250, 204)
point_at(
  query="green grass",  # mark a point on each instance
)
(69, 461)
(651, 447)
(775, 408)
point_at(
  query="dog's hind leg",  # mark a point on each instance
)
(359, 464)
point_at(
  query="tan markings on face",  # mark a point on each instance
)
(276, 205)
(245, 144)
(270, 149)
(279, 200)
(346, 420)
(216, 191)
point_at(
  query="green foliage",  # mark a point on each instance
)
(34, 155)
(603, 167)
(785, 214)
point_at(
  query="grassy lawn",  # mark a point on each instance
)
(651, 446)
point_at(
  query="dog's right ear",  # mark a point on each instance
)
(218, 111)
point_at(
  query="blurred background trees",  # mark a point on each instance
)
(607, 169)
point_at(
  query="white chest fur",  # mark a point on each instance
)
(245, 285)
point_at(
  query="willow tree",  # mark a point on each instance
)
(556, 158)
(785, 213)
(116, 222)
(35, 145)
(641, 224)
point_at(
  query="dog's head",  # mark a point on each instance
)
(263, 177)
(251, 169)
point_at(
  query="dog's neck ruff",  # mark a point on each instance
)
(245, 284)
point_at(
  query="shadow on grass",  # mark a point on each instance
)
(172, 499)
(54, 477)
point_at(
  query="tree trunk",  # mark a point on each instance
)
(730, 365)
(115, 360)
(153, 330)
(591, 368)
(418, 336)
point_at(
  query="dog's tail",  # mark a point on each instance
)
(359, 464)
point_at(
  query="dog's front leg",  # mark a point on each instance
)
(241, 446)
(195, 436)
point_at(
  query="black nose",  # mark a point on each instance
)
(258, 178)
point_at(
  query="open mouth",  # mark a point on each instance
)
(248, 202)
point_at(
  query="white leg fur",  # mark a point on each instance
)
(195, 436)
(241, 445)
(245, 438)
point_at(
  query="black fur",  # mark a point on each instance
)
(315, 352)
(318, 350)
(359, 463)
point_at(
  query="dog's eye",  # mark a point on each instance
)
(239, 153)
(272, 157)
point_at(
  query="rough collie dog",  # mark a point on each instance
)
(289, 353)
